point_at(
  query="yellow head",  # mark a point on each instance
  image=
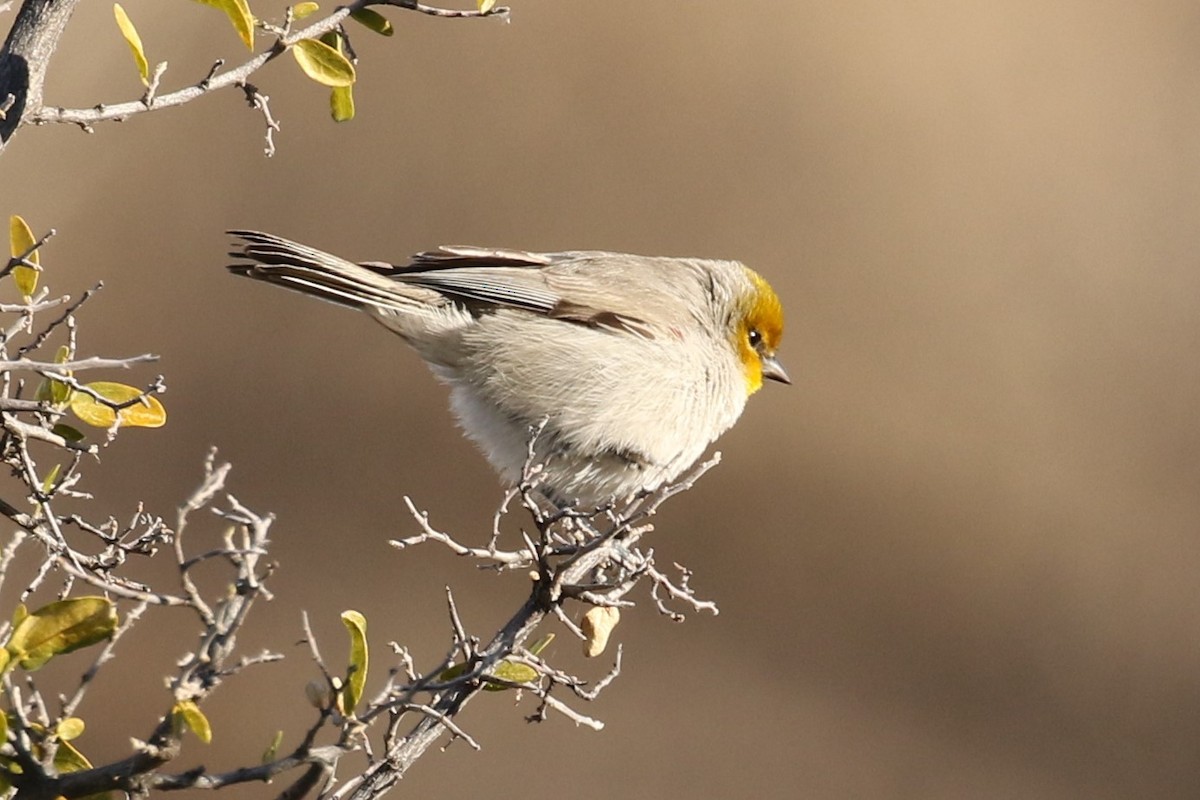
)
(759, 329)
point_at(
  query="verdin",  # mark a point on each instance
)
(633, 365)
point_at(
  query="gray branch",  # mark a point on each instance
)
(26, 56)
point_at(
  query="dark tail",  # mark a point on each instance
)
(301, 268)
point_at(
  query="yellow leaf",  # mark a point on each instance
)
(134, 41)
(373, 20)
(356, 624)
(70, 728)
(61, 627)
(239, 14)
(68, 759)
(486, 5)
(322, 63)
(302, 10)
(187, 713)
(21, 239)
(148, 412)
(341, 98)
(341, 103)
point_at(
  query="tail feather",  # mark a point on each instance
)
(305, 269)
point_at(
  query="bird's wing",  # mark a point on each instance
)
(537, 282)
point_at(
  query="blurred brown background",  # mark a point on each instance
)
(958, 558)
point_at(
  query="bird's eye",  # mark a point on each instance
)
(755, 337)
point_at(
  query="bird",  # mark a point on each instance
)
(614, 372)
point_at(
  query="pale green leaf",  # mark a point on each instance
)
(188, 714)
(485, 5)
(373, 20)
(61, 627)
(134, 41)
(239, 14)
(21, 239)
(322, 63)
(148, 412)
(356, 624)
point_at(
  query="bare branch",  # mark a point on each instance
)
(433, 11)
(59, 371)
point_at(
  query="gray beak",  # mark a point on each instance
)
(772, 369)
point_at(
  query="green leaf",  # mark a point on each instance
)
(451, 672)
(373, 20)
(146, 413)
(322, 63)
(239, 14)
(272, 749)
(52, 391)
(61, 627)
(19, 615)
(70, 728)
(189, 715)
(511, 671)
(20, 239)
(302, 10)
(3, 724)
(134, 41)
(356, 624)
(67, 432)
